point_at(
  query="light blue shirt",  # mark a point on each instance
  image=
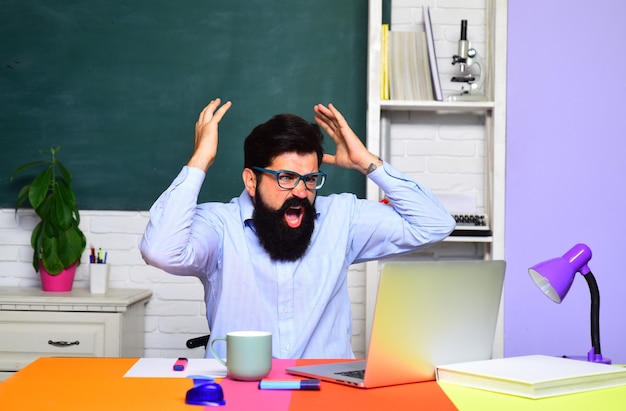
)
(305, 303)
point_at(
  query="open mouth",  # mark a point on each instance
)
(293, 216)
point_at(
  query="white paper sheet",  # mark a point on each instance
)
(162, 368)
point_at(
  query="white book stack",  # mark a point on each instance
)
(409, 67)
(533, 376)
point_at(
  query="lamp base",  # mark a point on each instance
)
(591, 357)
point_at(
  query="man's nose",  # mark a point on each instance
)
(299, 190)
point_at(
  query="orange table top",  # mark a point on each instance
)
(93, 384)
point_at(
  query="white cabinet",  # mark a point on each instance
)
(34, 324)
(387, 119)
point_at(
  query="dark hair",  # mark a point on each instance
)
(283, 133)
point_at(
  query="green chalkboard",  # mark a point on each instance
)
(118, 84)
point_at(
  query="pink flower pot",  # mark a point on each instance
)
(60, 282)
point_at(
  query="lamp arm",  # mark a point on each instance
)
(595, 311)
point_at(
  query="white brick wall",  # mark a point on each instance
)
(447, 157)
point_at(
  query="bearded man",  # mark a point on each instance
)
(276, 258)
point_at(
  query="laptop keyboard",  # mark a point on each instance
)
(353, 374)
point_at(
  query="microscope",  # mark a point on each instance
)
(471, 67)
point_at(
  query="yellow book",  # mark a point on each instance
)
(384, 64)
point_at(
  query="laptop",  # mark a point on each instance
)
(426, 314)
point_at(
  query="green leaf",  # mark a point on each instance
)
(52, 266)
(76, 216)
(45, 209)
(26, 166)
(36, 261)
(66, 193)
(50, 255)
(39, 188)
(71, 245)
(35, 238)
(63, 213)
(49, 230)
(65, 172)
(22, 196)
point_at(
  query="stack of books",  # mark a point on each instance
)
(533, 376)
(409, 64)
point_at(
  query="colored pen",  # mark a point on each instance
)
(180, 364)
(311, 384)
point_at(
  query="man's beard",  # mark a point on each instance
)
(282, 242)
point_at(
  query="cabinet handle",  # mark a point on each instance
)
(63, 343)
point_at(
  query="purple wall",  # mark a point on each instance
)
(566, 170)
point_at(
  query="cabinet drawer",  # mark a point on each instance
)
(28, 335)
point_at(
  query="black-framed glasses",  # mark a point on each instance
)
(288, 180)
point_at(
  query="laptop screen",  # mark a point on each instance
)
(427, 314)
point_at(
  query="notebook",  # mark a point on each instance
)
(426, 314)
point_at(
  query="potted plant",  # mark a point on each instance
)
(57, 242)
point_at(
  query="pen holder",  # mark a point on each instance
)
(98, 278)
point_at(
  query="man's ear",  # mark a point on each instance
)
(249, 181)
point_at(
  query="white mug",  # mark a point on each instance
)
(248, 354)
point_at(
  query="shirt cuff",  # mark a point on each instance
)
(189, 179)
(379, 175)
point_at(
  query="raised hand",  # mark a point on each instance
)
(350, 151)
(205, 140)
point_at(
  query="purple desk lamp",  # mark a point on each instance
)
(554, 278)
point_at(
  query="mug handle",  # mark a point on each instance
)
(217, 357)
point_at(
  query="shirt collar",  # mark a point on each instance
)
(246, 208)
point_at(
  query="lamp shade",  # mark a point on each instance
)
(555, 276)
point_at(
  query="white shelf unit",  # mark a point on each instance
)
(436, 106)
(492, 113)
